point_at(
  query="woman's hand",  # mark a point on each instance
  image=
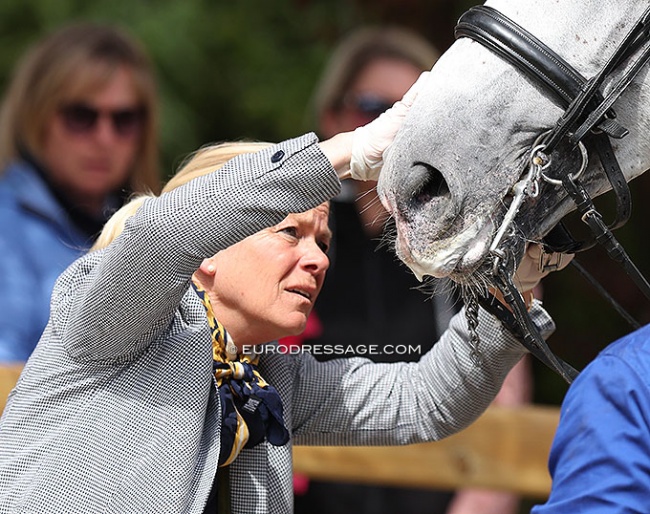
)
(536, 264)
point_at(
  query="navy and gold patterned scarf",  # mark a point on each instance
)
(251, 409)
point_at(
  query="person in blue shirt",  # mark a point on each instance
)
(600, 457)
(77, 136)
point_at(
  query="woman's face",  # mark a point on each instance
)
(265, 286)
(377, 86)
(91, 143)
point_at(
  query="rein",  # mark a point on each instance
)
(588, 123)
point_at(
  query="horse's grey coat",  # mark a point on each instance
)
(475, 124)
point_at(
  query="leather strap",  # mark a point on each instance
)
(584, 101)
(533, 58)
(521, 49)
(522, 327)
(603, 148)
(585, 109)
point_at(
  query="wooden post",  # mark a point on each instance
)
(8, 377)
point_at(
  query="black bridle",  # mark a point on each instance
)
(587, 124)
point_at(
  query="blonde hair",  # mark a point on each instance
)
(359, 49)
(210, 158)
(202, 162)
(71, 62)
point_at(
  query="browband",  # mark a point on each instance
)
(528, 54)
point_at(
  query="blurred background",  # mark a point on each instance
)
(229, 70)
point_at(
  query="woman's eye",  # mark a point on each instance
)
(290, 231)
(324, 247)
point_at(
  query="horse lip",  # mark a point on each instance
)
(404, 253)
(454, 262)
(476, 253)
(475, 257)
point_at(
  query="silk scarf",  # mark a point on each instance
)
(251, 409)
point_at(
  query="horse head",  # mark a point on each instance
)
(448, 178)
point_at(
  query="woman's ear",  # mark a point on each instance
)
(208, 266)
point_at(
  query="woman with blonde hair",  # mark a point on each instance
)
(157, 387)
(78, 135)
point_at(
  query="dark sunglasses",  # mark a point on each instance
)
(80, 118)
(369, 105)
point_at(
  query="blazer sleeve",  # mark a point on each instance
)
(115, 306)
(357, 402)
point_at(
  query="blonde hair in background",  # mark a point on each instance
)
(71, 62)
(210, 158)
(358, 49)
(202, 162)
(115, 225)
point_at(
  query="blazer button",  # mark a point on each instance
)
(277, 156)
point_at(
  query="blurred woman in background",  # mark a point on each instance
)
(78, 135)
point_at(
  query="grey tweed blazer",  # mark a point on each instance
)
(116, 410)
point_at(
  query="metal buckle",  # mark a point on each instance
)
(549, 261)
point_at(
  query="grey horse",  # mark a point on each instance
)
(448, 178)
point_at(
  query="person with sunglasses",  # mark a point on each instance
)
(78, 135)
(157, 386)
(369, 69)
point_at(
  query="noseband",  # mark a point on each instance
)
(587, 124)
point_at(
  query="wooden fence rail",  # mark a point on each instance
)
(506, 448)
(8, 378)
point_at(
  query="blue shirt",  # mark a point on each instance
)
(37, 242)
(600, 458)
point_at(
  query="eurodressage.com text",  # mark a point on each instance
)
(333, 349)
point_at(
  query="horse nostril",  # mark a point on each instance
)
(428, 183)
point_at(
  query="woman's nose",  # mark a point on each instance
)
(315, 259)
(105, 131)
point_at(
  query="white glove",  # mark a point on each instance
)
(536, 264)
(371, 141)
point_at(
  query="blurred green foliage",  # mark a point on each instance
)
(226, 70)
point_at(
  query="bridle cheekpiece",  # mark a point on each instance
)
(587, 124)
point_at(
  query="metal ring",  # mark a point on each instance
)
(583, 167)
(537, 150)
